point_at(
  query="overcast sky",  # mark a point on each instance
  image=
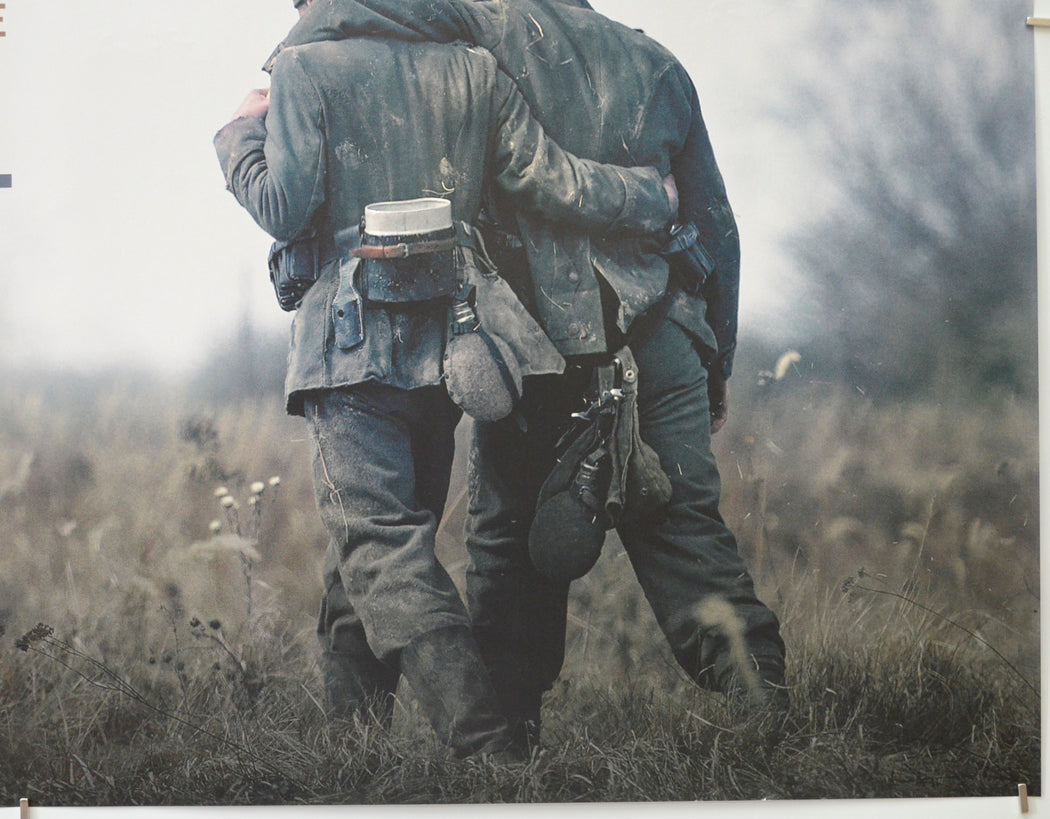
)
(120, 243)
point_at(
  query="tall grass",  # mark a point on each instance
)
(897, 544)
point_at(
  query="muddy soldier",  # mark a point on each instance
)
(612, 94)
(373, 129)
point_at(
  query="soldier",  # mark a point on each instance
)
(403, 136)
(612, 94)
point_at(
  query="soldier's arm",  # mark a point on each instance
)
(559, 186)
(274, 164)
(704, 203)
(440, 21)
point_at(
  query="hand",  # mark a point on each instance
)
(256, 104)
(718, 395)
(671, 189)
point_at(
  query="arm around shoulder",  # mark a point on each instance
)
(560, 186)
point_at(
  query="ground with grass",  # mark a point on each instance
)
(176, 662)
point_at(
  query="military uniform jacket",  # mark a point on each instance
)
(603, 91)
(351, 124)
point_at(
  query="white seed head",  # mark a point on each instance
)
(253, 501)
(275, 480)
(715, 611)
(258, 487)
(784, 363)
(215, 527)
(221, 492)
(228, 502)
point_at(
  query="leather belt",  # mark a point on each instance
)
(403, 250)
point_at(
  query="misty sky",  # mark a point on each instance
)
(120, 243)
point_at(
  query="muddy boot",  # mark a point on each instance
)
(452, 686)
(358, 685)
(759, 688)
(522, 709)
(760, 700)
(525, 734)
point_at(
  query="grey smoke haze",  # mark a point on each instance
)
(122, 246)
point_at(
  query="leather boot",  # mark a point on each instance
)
(520, 703)
(761, 699)
(453, 688)
(358, 685)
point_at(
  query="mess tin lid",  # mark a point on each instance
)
(408, 217)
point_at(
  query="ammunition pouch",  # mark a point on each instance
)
(690, 263)
(294, 267)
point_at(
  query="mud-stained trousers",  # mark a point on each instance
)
(681, 558)
(382, 460)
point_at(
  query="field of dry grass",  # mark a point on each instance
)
(897, 543)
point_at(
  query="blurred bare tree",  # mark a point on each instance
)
(245, 365)
(245, 362)
(921, 269)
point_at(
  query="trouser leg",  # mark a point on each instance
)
(686, 559)
(682, 559)
(381, 469)
(518, 615)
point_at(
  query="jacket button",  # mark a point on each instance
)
(573, 276)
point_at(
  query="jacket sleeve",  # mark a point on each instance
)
(275, 166)
(703, 202)
(544, 179)
(439, 21)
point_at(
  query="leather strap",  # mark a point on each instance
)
(403, 250)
